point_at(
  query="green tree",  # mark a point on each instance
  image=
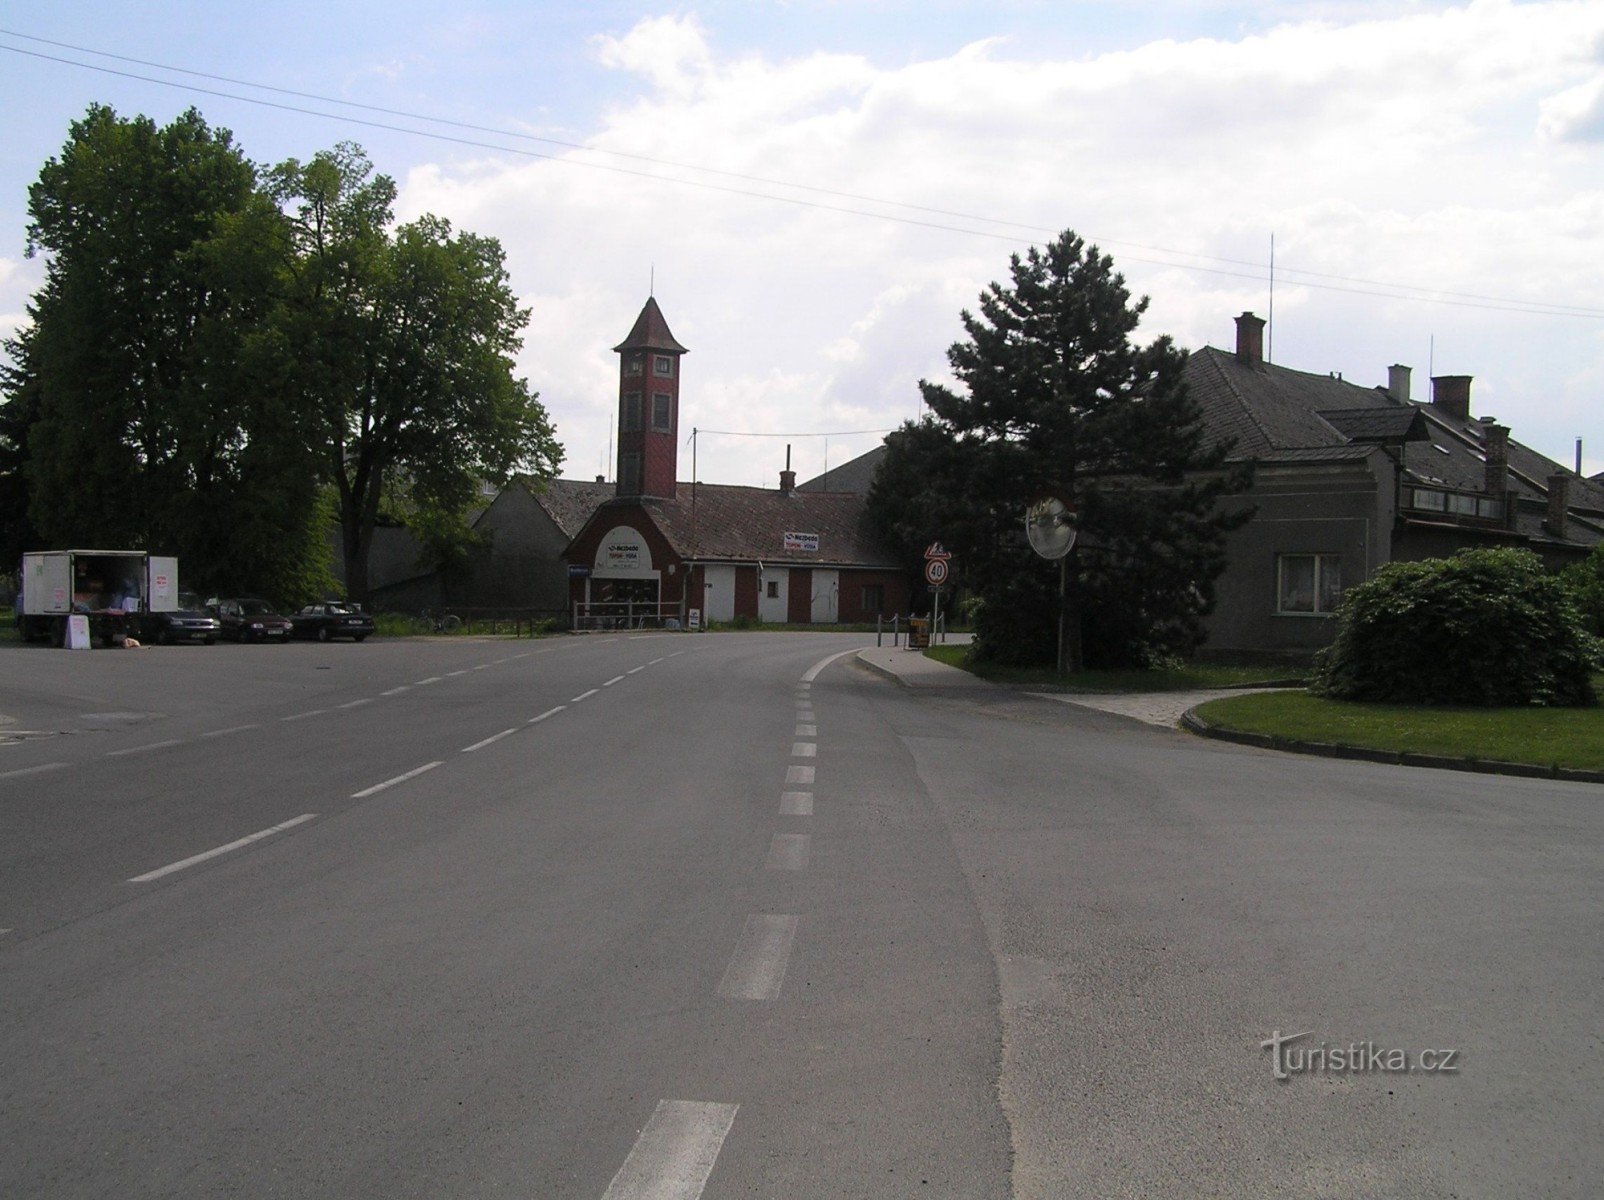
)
(401, 342)
(136, 394)
(1055, 398)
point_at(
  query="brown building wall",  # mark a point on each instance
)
(894, 590)
(746, 592)
(799, 606)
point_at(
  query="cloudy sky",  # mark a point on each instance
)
(820, 186)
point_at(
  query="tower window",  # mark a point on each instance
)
(662, 365)
(630, 421)
(662, 412)
(632, 365)
(629, 475)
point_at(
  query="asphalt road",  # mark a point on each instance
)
(726, 916)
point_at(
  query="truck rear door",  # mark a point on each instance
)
(161, 594)
(46, 584)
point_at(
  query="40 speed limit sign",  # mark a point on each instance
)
(936, 572)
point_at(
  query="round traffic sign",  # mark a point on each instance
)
(936, 572)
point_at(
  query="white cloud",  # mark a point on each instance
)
(1423, 147)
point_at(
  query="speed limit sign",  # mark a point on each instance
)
(936, 572)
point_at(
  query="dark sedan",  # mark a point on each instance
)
(331, 620)
(248, 620)
(189, 623)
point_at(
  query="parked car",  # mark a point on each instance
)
(250, 620)
(330, 620)
(189, 622)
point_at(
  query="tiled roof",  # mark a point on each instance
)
(749, 524)
(651, 332)
(569, 502)
(1384, 425)
(854, 475)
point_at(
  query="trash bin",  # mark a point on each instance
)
(918, 633)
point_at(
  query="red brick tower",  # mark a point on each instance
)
(648, 406)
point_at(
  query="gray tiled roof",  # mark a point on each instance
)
(854, 475)
(569, 502)
(1384, 425)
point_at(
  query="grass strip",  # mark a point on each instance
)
(1181, 679)
(1544, 737)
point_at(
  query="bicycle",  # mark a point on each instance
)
(438, 621)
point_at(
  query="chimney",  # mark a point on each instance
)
(1398, 383)
(787, 476)
(1495, 444)
(601, 479)
(1250, 338)
(1451, 393)
(1559, 491)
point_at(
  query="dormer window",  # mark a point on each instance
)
(662, 365)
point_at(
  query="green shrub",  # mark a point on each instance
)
(1485, 627)
(1585, 582)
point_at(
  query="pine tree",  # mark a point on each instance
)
(1056, 399)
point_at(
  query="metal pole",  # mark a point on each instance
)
(1063, 575)
(935, 615)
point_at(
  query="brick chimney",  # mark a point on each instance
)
(1559, 491)
(787, 476)
(1398, 383)
(1250, 338)
(1495, 445)
(1451, 393)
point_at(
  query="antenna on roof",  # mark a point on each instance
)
(651, 282)
(1269, 353)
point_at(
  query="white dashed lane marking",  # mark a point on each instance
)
(396, 691)
(635, 670)
(141, 749)
(789, 852)
(796, 804)
(229, 730)
(584, 695)
(389, 783)
(431, 679)
(757, 968)
(356, 703)
(316, 712)
(228, 849)
(550, 712)
(806, 731)
(613, 680)
(39, 770)
(804, 749)
(675, 1153)
(799, 775)
(495, 737)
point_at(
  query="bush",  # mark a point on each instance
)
(1485, 627)
(1585, 582)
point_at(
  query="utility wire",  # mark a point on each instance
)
(1395, 292)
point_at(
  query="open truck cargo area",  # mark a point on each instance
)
(114, 590)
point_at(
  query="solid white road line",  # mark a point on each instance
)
(804, 749)
(675, 1153)
(676, 654)
(482, 667)
(230, 729)
(495, 737)
(613, 680)
(232, 846)
(316, 712)
(799, 775)
(454, 674)
(635, 670)
(550, 712)
(379, 787)
(812, 672)
(806, 731)
(758, 967)
(141, 749)
(356, 703)
(39, 770)
(789, 852)
(796, 804)
(396, 691)
(431, 679)
(584, 695)
(654, 662)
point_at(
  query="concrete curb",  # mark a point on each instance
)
(1397, 758)
(879, 670)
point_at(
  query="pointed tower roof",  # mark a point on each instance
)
(650, 332)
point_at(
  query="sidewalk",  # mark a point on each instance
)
(912, 669)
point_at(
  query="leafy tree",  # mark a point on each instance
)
(1485, 627)
(1585, 583)
(133, 394)
(401, 342)
(1056, 399)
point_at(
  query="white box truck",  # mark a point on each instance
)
(111, 588)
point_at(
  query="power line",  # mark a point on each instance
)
(1394, 291)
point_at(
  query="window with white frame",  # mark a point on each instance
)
(1308, 584)
(632, 364)
(662, 365)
